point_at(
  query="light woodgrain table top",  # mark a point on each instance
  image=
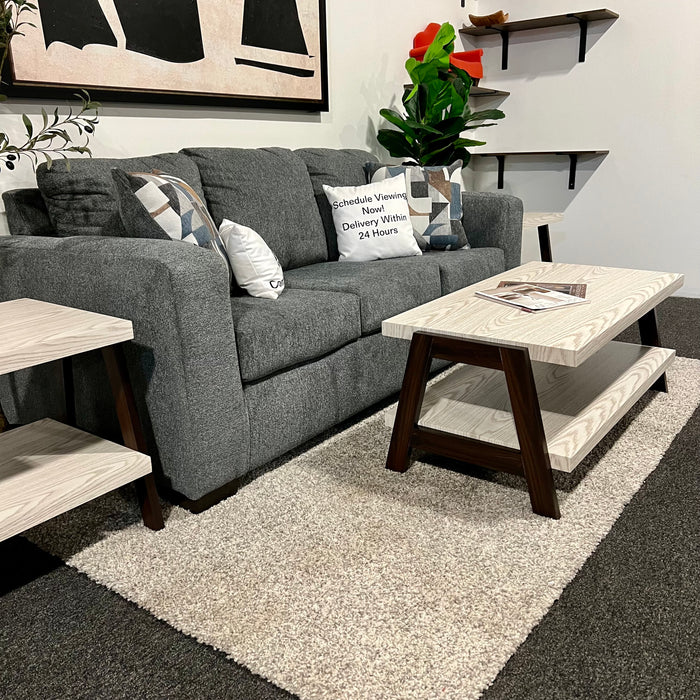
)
(566, 336)
(533, 219)
(33, 332)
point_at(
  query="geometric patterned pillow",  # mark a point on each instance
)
(157, 205)
(434, 200)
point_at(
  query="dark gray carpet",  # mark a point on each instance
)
(63, 636)
(627, 627)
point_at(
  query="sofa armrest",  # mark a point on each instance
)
(496, 221)
(183, 360)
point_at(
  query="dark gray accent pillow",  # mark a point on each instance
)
(81, 201)
(26, 213)
(268, 190)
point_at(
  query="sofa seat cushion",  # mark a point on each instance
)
(384, 287)
(268, 190)
(460, 268)
(297, 327)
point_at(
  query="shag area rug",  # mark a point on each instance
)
(335, 578)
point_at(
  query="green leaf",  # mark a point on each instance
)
(397, 120)
(417, 126)
(45, 118)
(422, 72)
(410, 103)
(49, 161)
(467, 142)
(451, 127)
(484, 114)
(396, 143)
(440, 149)
(28, 125)
(442, 44)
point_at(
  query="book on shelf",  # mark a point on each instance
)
(531, 297)
(576, 290)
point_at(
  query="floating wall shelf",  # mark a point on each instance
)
(580, 18)
(573, 160)
(479, 91)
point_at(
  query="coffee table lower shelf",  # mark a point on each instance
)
(47, 468)
(579, 405)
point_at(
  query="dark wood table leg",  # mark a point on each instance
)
(132, 432)
(649, 334)
(528, 424)
(410, 401)
(68, 390)
(545, 243)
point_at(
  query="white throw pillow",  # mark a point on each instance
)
(372, 221)
(254, 265)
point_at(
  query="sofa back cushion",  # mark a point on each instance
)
(82, 200)
(336, 168)
(269, 191)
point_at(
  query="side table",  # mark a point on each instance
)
(48, 467)
(541, 220)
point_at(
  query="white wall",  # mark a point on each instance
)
(368, 44)
(638, 95)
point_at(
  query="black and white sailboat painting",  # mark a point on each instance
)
(271, 50)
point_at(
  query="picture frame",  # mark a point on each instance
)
(246, 53)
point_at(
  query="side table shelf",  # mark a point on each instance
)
(48, 468)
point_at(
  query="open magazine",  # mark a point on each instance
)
(573, 288)
(531, 297)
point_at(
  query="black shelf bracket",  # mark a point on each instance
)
(583, 26)
(505, 40)
(501, 169)
(573, 161)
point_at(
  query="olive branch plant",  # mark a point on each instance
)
(52, 138)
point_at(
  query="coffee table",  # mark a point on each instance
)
(537, 391)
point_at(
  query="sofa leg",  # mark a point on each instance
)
(205, 502)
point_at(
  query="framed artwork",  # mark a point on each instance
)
(258, 53)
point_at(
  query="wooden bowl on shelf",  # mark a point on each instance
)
(499, 17)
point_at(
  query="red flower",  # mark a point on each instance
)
(469, 61)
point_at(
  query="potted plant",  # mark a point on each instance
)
(437, 109)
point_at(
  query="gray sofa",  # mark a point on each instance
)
(227, 382)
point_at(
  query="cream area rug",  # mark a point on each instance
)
(336, 579)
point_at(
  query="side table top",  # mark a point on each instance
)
(33, 332)
(533, 219)
(566, 336)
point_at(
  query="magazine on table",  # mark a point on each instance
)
(531, 297)
(576, 290)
